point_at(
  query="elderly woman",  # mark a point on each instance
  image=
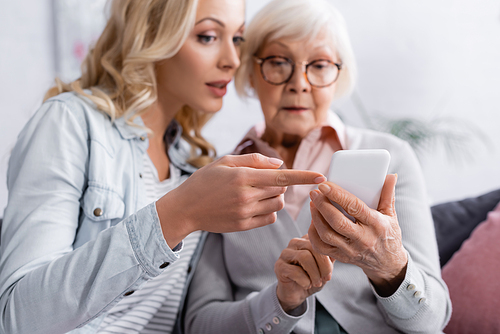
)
(297, 60)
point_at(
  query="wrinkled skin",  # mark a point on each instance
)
(373, 242)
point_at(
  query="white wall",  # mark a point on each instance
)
(26, 70)
(434, 58)
(422, 59)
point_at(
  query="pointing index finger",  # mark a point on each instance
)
(284, 177)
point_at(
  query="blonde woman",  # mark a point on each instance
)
(90, 241)
(279, 278)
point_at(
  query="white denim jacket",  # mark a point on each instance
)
(77, 236)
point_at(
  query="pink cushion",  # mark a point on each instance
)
(473, 277)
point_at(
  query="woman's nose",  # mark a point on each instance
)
(298, 82)
(230, 57)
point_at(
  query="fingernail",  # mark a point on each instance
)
(319, 179)
(275, 161)
(313, 195)
(325, 189)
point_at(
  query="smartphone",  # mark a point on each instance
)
(360, 172)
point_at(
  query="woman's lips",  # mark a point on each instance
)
(218, 88)
(295, 109)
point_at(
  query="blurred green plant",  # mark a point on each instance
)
(460, 140)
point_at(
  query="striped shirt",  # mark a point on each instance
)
(153, 309)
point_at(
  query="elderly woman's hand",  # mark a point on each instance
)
(301, 272)
(372, 243)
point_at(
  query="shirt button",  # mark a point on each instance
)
(276, 320)
(143, 138)
(410, 287)
(421, 300)
(269, 326)
(140, 175)
(417, 294)
(261, 331)
(128, 293)
(165, 265)
(98, 212)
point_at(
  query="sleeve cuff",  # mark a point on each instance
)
(409, 298)
(146, 238)
(268, 314)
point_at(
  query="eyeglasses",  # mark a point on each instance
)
(278, 70)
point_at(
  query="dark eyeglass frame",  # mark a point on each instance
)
(261, 61)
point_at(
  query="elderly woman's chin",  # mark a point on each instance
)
(297, 125)
(296, 130)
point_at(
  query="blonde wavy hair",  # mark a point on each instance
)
(119, 70)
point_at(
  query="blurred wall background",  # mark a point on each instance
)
(426, 60)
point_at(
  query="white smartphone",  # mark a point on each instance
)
(360, 172)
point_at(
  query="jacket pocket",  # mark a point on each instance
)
(100, 204)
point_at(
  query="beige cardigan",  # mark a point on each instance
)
(234, 287)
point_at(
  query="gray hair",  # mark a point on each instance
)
(297, 20)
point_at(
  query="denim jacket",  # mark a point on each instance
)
(77, 236)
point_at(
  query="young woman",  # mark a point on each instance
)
(386, 277)
(90, 241)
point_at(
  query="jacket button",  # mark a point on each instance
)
(164, 265)
(128, 293)
(98, 212)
